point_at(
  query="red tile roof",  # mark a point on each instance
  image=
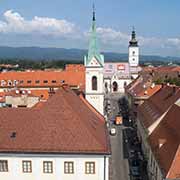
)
(157, 105)
(168, 155)
(64, 124)
(142, 87)
(44, 78)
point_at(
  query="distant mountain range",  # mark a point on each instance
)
(37, 53)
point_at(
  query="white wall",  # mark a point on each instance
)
(23, 100)
(95, 97)
(15, 168)
(134, 57)
(98, 72)
(97, 101)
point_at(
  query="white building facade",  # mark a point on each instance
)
(54, 167)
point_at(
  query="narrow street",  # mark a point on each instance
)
(120, 167)
(127, 161)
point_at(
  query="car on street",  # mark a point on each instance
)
(118, 120)
(135, 168)
(113, 131)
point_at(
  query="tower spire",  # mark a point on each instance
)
(93, 44)
(133, 41)
(94, 13)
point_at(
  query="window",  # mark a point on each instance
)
(115, 86)
(37, 81)
(3, 165)
(29, 81)
(21, 82)
(133, 53)
(68, 167)
(125, 83)
(94, 83)
(47, 167)
(9, 83)
(45, 81)
(90, 167)
(26, 167)
(53, 81)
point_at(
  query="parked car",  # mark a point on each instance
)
(135, 168)
(118, 120)
(113, 131)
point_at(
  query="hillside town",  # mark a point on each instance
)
(98, 120)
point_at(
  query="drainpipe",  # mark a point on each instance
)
(104, 167)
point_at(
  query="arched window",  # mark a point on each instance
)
(115, 86)
(125, 83)
(94, 83)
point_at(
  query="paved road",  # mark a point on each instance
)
(119, 161)
(120, 165)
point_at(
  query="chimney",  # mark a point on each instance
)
(153, 85)
(145, 92)
(161, 142)
(174, 89)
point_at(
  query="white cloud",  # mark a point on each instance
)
(114, 37)
(110, 39)
(174, 41)
(111, 36)
(15, 23)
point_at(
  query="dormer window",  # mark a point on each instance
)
(45, 81)
(53, 81)
(37, 81)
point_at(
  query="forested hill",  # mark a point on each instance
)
(37, 53)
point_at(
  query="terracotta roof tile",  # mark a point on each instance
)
(168, 155)
(43, 78)
(64, 124)
(158, 104)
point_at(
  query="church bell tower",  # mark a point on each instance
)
(133, 50)
(94, 64)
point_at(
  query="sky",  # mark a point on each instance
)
(66, 24)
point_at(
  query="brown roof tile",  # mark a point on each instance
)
(168, 155)
(157, 105)
(64, 124)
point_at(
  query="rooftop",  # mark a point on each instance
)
(168, 154)
(63, 124)
(157, 105)
(45, 78)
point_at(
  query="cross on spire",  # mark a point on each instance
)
(94, 13)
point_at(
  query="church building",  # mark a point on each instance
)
(111, 77)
